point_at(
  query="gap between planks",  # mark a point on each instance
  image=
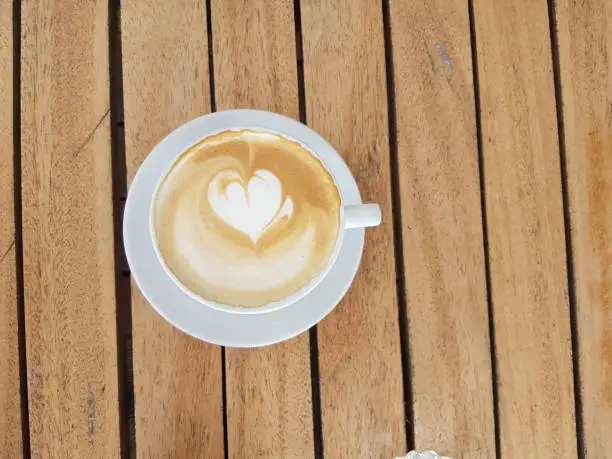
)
(213, 108)
(485, 230)
(315, 381)
(23, 370)
(402, 303)
(123, 294)
(571, 279)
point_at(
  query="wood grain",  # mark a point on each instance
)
(68, 230)
(442, 229)
(359, 347)
(585, 49)
(269, 407)
(526, 233)
(177, 379)
(10, 399)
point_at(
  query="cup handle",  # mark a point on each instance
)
(362, 216)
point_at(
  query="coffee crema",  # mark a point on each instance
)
(246, 218)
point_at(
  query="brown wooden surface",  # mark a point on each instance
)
(68, 248)
(269, 406)
(10, 398)
(525, 228)
(442, 228)
(478, 368)
(362, 402)
(585, 48)
(177, 380)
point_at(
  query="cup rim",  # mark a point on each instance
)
(312, 284)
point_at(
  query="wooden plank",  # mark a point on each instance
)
(585, 50)
(269, 407)
(440, 190)
(177, 379)
(526, 233)
(359, 348)
(68, 244)
(10, 399)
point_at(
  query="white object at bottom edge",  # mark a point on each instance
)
(423, 455)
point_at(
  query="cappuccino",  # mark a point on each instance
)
(246, 218)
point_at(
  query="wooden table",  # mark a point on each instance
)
(480, 323)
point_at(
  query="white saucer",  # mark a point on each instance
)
(188, 314)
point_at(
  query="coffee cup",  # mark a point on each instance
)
(231, 211)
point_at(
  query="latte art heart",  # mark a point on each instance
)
(246, 218)
(251, 210)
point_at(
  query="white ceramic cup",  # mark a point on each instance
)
(351, 216)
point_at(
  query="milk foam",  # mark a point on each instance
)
(246, 218)
(251, 210)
